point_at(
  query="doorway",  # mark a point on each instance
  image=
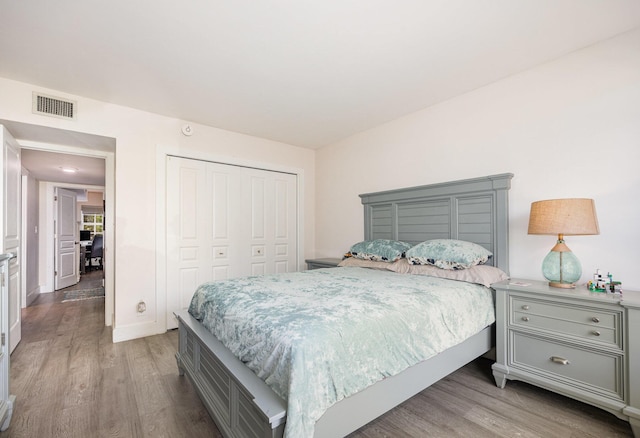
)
(32, 138)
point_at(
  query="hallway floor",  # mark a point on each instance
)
(70, 380)
(88, 280)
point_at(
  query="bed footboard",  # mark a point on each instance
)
(240, 403)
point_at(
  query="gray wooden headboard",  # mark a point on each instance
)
(475, 210)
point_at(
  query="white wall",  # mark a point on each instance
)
(30, 236)
(569, 128)
(137, 135)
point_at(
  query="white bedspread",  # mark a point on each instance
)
(319, 336)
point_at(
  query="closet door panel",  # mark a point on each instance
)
(220, 197)
(255, 183)
(257, 186)
(187, 256)
(189, 281)
(224, 206)
(190, 179)
(284, 227)
(258, 268)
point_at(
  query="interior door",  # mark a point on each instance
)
(10, 226)
(66, 257)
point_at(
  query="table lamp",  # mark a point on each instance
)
(571, 217)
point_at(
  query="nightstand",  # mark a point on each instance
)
(322, 263)
(582, 344)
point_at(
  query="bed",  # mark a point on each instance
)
(243, 405)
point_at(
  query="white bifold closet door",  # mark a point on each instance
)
(226, 221)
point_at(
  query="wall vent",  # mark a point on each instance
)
(53, 106)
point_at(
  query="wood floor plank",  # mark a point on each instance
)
(451, 419)
(151, 395)
(82, 387)
(117, 409)
(25, 367)
(493, 414)
(544, 406)
(162, 350)
(78, 420)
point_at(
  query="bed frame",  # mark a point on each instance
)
(242, 405)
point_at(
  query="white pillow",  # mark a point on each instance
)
(480, 274)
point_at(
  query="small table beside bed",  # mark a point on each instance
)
(325, 351)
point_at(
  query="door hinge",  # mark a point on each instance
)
(3, 340)
(55, 198)
(55, 273)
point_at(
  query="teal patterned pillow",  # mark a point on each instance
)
(448, 254)
(380, 250)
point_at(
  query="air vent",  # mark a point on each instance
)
(53, 106)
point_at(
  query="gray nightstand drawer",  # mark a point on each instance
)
(590, 324)
(591, 371)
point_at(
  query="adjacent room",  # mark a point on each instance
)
(353, 162)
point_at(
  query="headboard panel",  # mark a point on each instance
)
(476, 210)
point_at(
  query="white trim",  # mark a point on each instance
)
(63, 149)
(24, 177)
(135, 331)
(224, 159)
(161, 241)
(162, 152)
(91, 210)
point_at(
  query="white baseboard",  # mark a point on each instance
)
(142, 330)
(32, 295)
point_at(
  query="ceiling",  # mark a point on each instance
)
(48, 166)
(300, 72)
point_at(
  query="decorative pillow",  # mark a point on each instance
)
(448, 254)
(380, 250)
(372, 264)
(479, 274)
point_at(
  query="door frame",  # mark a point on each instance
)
(109, 216)
(162, 152)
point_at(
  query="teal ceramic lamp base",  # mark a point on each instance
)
(561, 267)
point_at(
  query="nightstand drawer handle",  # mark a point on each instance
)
(560, 360)
(595, 319)
(595, 333)
(525, 318)
(525, 307)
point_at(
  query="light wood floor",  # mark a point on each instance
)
(71, 381)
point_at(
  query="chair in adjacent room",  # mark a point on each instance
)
(96, 251)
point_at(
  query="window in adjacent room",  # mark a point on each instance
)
(92, 220)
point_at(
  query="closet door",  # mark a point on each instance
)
(187, 226)
(226, 221)
(271, 206)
